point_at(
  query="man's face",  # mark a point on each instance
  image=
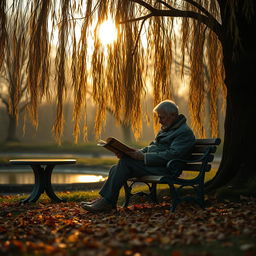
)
(166, 120)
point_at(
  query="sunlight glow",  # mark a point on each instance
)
(107, 32)
(90, 178)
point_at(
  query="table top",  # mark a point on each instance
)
(39, 161)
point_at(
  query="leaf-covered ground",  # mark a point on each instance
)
(45, 228)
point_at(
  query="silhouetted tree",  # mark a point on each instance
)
(13, 73)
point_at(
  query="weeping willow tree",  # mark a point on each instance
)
(13, 73)
(216, 33)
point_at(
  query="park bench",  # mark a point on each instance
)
(199, 161)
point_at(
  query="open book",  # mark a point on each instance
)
(115, 145)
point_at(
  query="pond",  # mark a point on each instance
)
(61, 175)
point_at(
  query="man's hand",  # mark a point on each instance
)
(119, 155)
(138, 155)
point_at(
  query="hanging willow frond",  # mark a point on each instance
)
(3, 32)
(38, 47)
(66, 34)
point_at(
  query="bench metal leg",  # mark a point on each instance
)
(200, 195)
(153, 194)
(128, 194)
(175, 197)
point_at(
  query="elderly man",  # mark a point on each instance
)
(174, 140)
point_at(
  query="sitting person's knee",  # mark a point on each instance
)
(124, 160)
(113, 169)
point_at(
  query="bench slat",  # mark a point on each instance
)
(148, 178)
(198, 156)
(203, 149)
(196, 167)
(156, 179)
(215, 141)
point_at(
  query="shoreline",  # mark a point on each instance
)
(57, 187)
(27, 188)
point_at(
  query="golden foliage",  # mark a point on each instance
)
(114, 76)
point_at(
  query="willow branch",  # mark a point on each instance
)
(137, 19)
(5, 79)
(144, 4)
(138, 37)
(109, 109)
(24, 106)
(81, 18)
(208, 20)
(199, 7)
(165, 4)
(23, 90)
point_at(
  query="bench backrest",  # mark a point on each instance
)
(202, 154)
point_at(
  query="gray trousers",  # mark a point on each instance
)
(120, 173)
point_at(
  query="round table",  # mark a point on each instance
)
(42, 169)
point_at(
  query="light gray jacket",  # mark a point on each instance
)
(174, 142)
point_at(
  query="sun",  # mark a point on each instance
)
(107, 32)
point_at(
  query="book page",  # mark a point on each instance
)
(115, 145)
(101, 143)
(120, 146)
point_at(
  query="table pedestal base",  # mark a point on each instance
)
(42, 184)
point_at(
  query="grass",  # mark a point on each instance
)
(85, 161)
(50, 148)
(94, 155)
(78, 196)
(89, 195)
(92, 161)
(82, 148)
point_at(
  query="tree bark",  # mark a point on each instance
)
(12, 129)
(238, 165)
(127, 133)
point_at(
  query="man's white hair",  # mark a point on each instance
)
(168, 106)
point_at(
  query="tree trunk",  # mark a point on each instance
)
(127, 134)
(238, 165)
(12, 129)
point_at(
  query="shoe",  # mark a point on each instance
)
(89, 203)
(100, 205)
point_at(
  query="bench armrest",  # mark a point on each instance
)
(179, 162)
(173, 162)
(176, 165)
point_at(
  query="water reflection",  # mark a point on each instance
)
(25, 177)
(58, 178)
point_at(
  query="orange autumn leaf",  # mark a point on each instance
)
(176, 253)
